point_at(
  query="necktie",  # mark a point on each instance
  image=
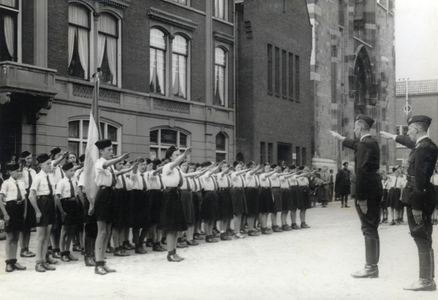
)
(143, 181)
(72, 189)
(269, 180)
(60, 170)
(256, 181)
(123, 182)
(241, 181)
(50, 186)
(114, 180)
(19, 197)
(161, 182)
(180, 183)
(29, 179)
(395, 184)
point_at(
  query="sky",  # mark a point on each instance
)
(416, 34)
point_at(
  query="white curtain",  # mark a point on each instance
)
(175, 77)
(107, 24)
(78, 15)
(152, 67)
(219, 8)
(83, 49)
(182, 76)
(160, 70)
(71, 43)
(9, 34)
(100, 49)
(12, 3)
(219, 83)
(111, 48)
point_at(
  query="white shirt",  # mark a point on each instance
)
(41, 185)
(223, 181)
(293, 181)
(251, 180)
(303, 181)
(25, 176)
(63, 188)
(434, 179)
(265, 181)
(275, 181)
(422, 138)
(103, 176)
(9, 189)
(208, 182)
(237, 180)
(401, 182)
(170, 177)
(364, 136)
(284, 183)
(137, 181)
(153, 182)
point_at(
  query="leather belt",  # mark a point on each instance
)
(18, 202)
(69, 199)
(102, 187)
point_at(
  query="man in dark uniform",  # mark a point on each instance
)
(419, 195)
(343, 184)
(368, 190)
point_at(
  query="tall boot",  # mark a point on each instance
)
(372, 254)
(426, 282)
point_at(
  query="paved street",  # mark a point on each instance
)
(310, 263)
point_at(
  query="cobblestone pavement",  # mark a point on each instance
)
(310, 263)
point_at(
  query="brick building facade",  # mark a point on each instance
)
(422, 96)
(352, 72)
(168, 73)
(275, 102)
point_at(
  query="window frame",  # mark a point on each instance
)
(226, 70)
(215, 15)
(187, 56)
(226, 145)
(81, 140)
(16, 11)
(159, 147)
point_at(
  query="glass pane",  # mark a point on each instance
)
(84, 147)
(153, 153)
(73, 147)
(182, 140)
(112, 133)
(154, 137)
(405, 130)
(180, 45)
(102, 130)
(220, 142)
(73, 130)
(158, 39)
(78, 15)
(85, 129)
(220, 157)
(168, 137)
(12, 3)
(115, 148)
(219, 57)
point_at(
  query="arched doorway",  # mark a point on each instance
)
(362, 84)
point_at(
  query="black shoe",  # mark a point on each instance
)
(253, 233)
(347, 206)
(71, 257)
(9, 268)
(99, 270)
(304, 225)
(65, 258)
(27, 253)
(158, 248)
(110, 250)
(39, 268)
(107, 269)
(56, 254)
(77, 248)
(51, 261)
(210, 239)
(48, 267)
(370, 271)
(140, 250)
(422, 285)
(392, 223)
(18, 267)
(266, 230)
(172, 257)
(192, 243)
(225, 237)
(295, 226)
(127, 246)
(89, 262)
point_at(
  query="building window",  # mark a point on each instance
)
(284, 73)
(220, 9)
(298, 156)
(291, 76)
(270, 149)
(221, 147)
(107, 48)
(179, 66)
(162, 139)
(157, 61)
(8, 34)
(401, 129)
(270, 69)
(297, 78)
(262, 152)
(220, 94)
(181, 1)
(277, 71)
(78, 41)
(78, 134)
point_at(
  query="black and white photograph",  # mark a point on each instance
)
(218, 149)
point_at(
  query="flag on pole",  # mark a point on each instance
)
(91, 152)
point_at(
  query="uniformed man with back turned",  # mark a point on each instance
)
(419, 195)
(368, 190)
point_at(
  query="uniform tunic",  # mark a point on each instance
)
(14, 195)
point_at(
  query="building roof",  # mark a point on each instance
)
(417, 87)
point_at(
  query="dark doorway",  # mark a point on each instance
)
(284, 153)
(10, 131)
(239, 157)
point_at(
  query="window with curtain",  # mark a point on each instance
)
(78, 134)
(107, 48)
(8, 30)
(78, 41)
(219, 77)
(221, 147)
(219, 9)
(162, 139)
(157, 61)
(179, 66)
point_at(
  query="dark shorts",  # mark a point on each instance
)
(252, 200)
(286, 199)
(225, 204)
(156, 197)
(304, 201)
(172, 212)
(16, 216)
(104, 205)
(71, 209)
(394, 198)
(277, 201)
(90, 221)
(46, 205)
(141, 209)
(120, 208)
(30, 220)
